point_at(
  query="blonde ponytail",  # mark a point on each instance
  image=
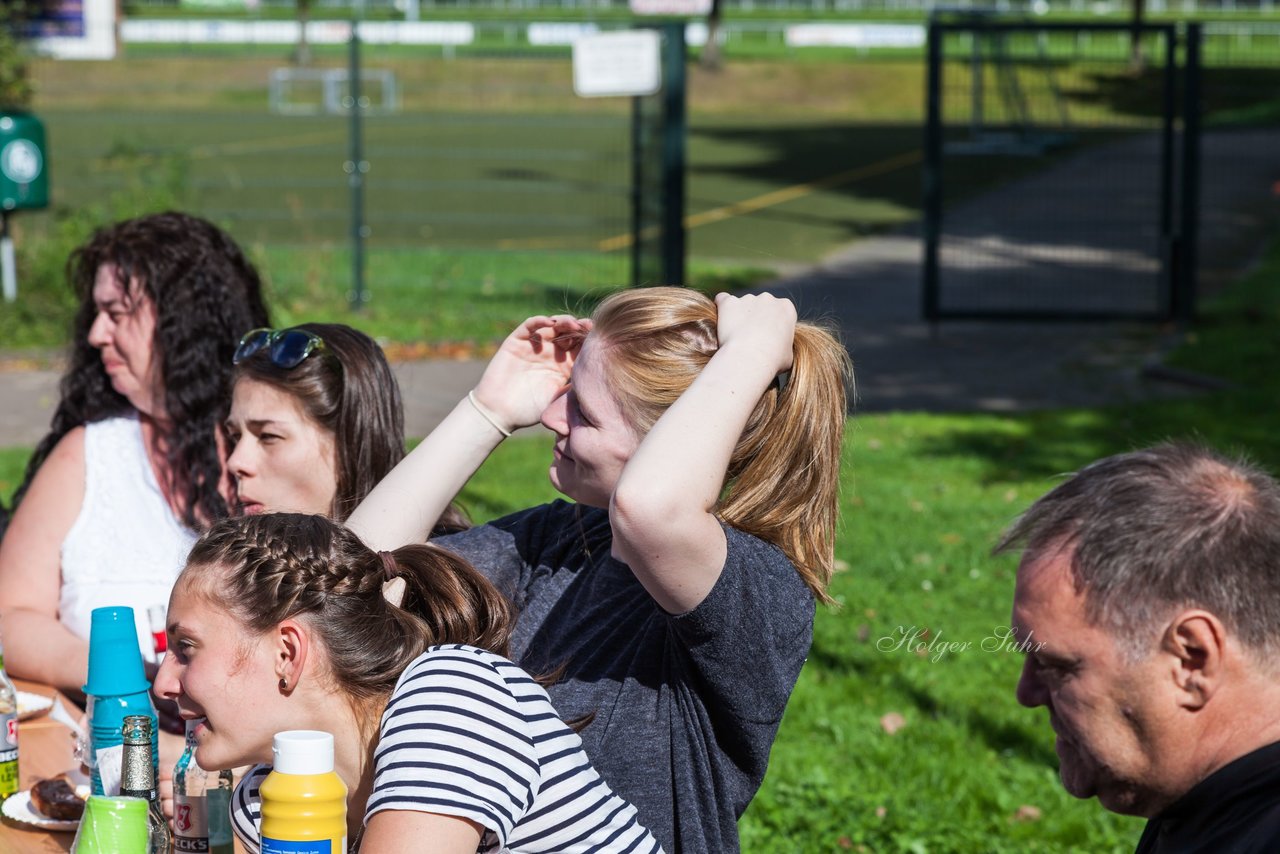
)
(783, 479)
(784, 475)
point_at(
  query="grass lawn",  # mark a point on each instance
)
(924, 498)
(466, 299)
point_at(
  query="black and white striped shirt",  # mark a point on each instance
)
(467, 733)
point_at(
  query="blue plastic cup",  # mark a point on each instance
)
(115, 663)
(117, 685)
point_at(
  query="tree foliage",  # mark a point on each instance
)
(16, 17)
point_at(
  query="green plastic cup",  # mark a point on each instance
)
(112, 826)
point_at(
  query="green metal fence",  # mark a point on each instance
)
(1104, 223)
(485, 173)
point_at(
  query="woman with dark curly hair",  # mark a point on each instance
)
(316, 421)
(133, 464)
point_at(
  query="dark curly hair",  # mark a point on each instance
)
(349, 390)
(206, 295)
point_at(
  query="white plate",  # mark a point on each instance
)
(20, 809)
(30, 705)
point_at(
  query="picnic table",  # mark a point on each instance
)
(45, 749)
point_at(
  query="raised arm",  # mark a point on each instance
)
(530, 368)
(36, 644)
(661, 508)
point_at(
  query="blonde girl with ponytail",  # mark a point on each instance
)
(287, 621)
(700, 442)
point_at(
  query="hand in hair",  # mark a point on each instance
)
(530, 368)
(760, 324)
(663, 509)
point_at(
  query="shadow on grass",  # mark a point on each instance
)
(892, 679)
(1052, 445)
(1239, 95)
(1234, 341)
(872, 163)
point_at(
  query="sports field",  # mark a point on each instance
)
(492, 153)
(492, 190)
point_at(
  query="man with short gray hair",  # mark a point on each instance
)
(1148, 598)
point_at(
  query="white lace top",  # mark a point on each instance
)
(126, 547)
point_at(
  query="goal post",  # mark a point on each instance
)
(327, 91)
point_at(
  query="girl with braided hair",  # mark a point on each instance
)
(287, 621)
(701, 442)
(133, 464)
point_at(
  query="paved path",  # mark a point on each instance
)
(430, 390)
(871, 291)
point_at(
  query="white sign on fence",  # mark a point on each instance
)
(855, 35)
(286, 32)
(618, 63)
(559, 33)
(80, 30)
(678, 8)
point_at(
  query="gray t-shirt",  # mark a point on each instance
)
(685, 707)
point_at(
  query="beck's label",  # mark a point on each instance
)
(8, 754)
(190, 823)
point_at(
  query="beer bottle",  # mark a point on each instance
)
(201, 804)
(8, 733)
(138, 780)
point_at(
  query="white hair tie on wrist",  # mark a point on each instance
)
(485, 414)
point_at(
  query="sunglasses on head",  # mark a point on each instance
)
(288, 347)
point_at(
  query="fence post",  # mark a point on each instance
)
(355, 168)
(932, 172)
(1168, 232)
(1185, 282)
(674, 132)
(637, 189)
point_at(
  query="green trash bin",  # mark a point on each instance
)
(24, 176)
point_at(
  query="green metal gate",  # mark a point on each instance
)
(1100, 219)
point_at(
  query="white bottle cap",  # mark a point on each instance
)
(302, 751)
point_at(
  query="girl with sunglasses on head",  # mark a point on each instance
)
(701, 443)
(132, 466)
(285, 621)
(316, 421)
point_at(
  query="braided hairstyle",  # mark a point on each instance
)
(273, 567)
(206, 295)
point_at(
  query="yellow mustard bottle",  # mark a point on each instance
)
(304, 803)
